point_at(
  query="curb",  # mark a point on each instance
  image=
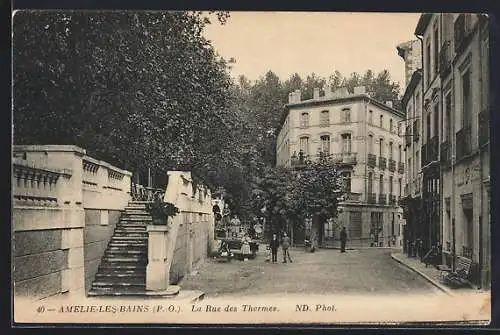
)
(426, 277)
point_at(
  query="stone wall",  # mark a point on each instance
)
(61, 199)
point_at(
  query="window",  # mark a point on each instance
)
(346, 143)
(325, 118)
(436, 120)
(428, 127)
(400, 182)
(466, 100)
(409, 168)
(381, 121)
(447, 120)
(370, 182)
(418, 109)
(391, 126)
(325, 144)
(370, 117)
(428, 63)
(400, 156)
(390, 150)
(347, 115)
(370, 144)
(347, 181)
(304, 120)
(304, 145)
(381, 148)
(381, 184)
(436, 49)
(390, 185)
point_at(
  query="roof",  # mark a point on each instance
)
(319, 102)
(415, 79)
(422, 24)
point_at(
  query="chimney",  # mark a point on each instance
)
(298, 97)
(340, 92)
(389, 103)
(359, 90)
(316, 93)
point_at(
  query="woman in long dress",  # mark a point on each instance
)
(245, 247)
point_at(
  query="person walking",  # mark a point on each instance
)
(285, 244)
(274, 245)
(343, 239)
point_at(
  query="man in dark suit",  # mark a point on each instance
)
(274, 245)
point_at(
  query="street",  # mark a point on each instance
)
(323, 272)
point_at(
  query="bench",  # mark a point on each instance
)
(460, 277)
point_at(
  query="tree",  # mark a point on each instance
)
(316, 192)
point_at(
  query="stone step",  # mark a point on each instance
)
(125, 251)
(123, 267)
(122, 291)
(130, 230)
(122, 283)
(142, 238)
(128, 259)
(130, 234)
(119, 245)
(131, 274)
(134, 219)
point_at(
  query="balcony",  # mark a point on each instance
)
(445, 58)
(372, 198)
(430, 151)
(416, 130)
(392, 199)
(484, 127)
(345, 158)
(408, 136)
(401, 167)
(382, 199)
(353, 197)
(392, 165)
(299, 161)
(445, 154)
(407, 190)
(372, 160)
(463, 138)
(382, 163)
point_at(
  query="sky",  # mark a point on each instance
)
(313, 42)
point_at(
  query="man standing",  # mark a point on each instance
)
(343, 239)
(285, 244)
(274, 248)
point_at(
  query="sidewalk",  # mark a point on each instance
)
(430, 273)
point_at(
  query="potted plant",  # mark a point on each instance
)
(160, 211)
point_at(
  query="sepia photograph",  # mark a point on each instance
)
(238, 167)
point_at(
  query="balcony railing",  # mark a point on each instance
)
(372, 160)
(416, 130)
(484, 127)
(466, 252)
(408, 136)
(392, 199)
(407, 190)
(382, 163)
(445, 58)
(382, 199)
(445, 154)
(401, 167)
(392, 165)
(430, 151)
(353, 197)
(464, 146)
(372, 198)
(348, 158)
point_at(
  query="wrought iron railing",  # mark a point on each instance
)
(392, 165)
(144, 193)
(445, 154)
(392, 199)
(467, 252)
(372, 160)
(401, 167)
(382, 163)
(372, 198)
(382, 199)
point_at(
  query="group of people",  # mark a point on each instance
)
(285, 245)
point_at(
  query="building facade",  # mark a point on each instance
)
(455, 155)
(411, 52)
(362, 135)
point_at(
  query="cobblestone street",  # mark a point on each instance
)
(322, 272)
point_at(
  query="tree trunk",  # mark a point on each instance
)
(314, 232)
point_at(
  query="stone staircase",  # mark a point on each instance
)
(123, 267)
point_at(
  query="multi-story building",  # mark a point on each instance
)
(412, 105)
(411, 52)
(455, 155)
(362, 135)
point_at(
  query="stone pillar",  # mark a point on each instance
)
(158, 271)
(73, 278)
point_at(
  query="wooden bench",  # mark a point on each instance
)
(460, 277)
